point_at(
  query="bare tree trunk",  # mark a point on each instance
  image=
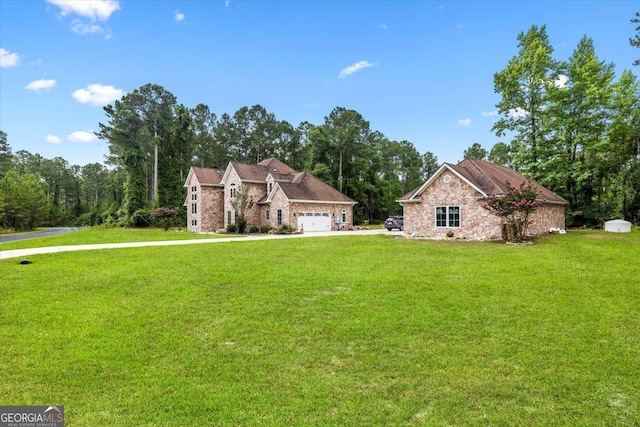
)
(155, 168)
(340, 173)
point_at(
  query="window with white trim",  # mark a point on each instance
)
(194, 222)
(194, 208)
(194, 193)
(267, 215)
(448, 216)
(232, 191)
(279, 216)
(344, 215)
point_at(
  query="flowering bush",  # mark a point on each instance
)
(515, 207)
(165, 216)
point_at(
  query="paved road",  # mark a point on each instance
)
(16, 253)
(51, 231)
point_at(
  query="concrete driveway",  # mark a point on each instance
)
(18, 253)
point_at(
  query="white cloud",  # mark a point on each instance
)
(561, 81)
(464, 122)
(52, 139)
(97, 94)
(81, 136)
(355, 67)
(383, 26)
(226, 3)
(518, 112)
(37, 85)
(8, 59)
(92, 9)
(489, 113)
(178, 16)
(81, 28)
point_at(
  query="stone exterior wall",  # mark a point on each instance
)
(278, 201)
(547, 216)
(210, 208)
(209, 213)
(476, 222)
(256, 192)
(290, 211)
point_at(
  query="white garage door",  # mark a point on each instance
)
(314, 221)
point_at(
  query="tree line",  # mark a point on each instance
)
(574, 127)
(153, 141)
(571, 126)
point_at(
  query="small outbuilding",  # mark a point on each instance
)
(617, 226)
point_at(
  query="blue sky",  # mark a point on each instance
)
(420, 71)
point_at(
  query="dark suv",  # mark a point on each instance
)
(394, 222)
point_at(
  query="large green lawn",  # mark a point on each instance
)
(97, 235)
(348, 331)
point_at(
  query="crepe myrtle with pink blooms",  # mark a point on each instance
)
(515, 206)
(165, 216)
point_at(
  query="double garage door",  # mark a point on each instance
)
(308, 221)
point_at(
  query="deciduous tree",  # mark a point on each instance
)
(523, 87)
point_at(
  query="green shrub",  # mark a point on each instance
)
(110, 222)
(241, 224)
(264, 229)
(84, 220)
(231, 228)
(285, 229)
(254, 229)
(141, 218)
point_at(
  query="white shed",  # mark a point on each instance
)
(617, 226)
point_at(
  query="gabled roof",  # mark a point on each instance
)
(306, 187)
(276, 167)
(258, 172)
(486, 178)
(296, 186)
(205, 176)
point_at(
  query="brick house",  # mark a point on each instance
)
(451, 200)
(278, 194)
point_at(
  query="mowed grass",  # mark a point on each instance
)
(345, 331)
(97, 235)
